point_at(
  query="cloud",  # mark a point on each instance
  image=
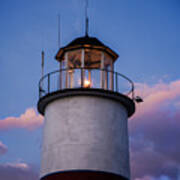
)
(29, 120)
(153, 178)
(3, 148)
(158, 96)
(22, 166)
(154, 133)
(18, 171)
(145, 178)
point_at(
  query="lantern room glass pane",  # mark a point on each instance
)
(107, 61)
(92, 58)
(74, 58)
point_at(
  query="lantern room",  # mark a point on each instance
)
(85, 63)
(86, 54)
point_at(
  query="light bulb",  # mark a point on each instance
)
(87, 83)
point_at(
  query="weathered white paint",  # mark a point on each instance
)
(85, 133)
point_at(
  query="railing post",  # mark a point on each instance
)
(102, 71)
(40, 87)
(82, 78)
(116, 82)
(66, 66)
(60, 76)
(102, 78)
(133, 91)
(89, 77)
(39, 92)
(106, 79)
(48, 83)
(112, 77)
(82, 67)
(71, 74)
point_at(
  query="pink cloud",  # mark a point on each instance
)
(3, 148)
(154, 132)
(157, 96)
(145, 178)
(29, 120)
(22, 166)
(153, 178)
(20, 171)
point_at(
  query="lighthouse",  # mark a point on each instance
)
(86, 106)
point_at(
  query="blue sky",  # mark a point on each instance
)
(145, 33)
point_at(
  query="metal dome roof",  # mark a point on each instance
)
(85, 42)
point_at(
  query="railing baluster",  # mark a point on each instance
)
(102, 78)
(116, 82)
(133, 91)
(82, 78)
(111, 80)
(107, 80)
(39, 92)
(60, 75)
(40, 87)
(67, 79)
(48, 83)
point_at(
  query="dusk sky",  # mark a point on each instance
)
(146, 35)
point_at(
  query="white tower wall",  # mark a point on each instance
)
(85, 133)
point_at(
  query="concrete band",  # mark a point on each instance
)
(124, 100)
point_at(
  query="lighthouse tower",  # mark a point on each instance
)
(86, 105)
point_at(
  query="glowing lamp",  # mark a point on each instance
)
(87, 83)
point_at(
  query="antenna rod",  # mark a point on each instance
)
(59, 31)
(87, 19)
(42, 63)
(87, 26)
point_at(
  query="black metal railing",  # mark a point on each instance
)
(86, 78)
